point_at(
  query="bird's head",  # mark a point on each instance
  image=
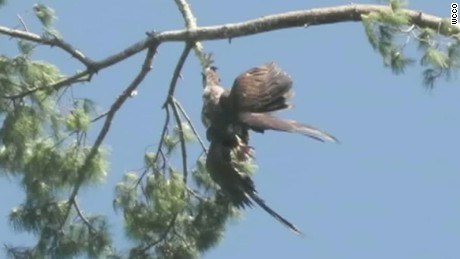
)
(210, 76)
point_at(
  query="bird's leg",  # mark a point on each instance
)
(243, 150)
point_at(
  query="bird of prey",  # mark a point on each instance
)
(229, 114)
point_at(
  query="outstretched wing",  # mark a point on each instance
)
(262, 89)
(260, 122)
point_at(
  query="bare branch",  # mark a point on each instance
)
(81, 216)
(172, 87)
(50, 41)
(319, 16)
(195, 194)
(160, 145)
(164, 235)
(176, 74)
(78, 77)
(190, 23)
(182, 110)
(182, 140)
(169, 100)
(82, 171)
(22, 22)
(100, 116)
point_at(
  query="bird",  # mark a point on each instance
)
(229, 114)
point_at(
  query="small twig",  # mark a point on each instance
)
(187, 118)
(82, 217)
(160, 145)
(195, 194)
(23, 23)
(412, 27)
(176, 74)
(164, 235)
(182, 141)
(100, 116)
(77, 78)
(50, 41)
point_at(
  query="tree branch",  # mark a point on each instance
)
(318, 16)
(182, 140)
(182, 110)
(78, 77)
(176, 73)
(190, 23)
(169, 100)
(82, 171)
(49, 41)
(82, 217)
(160, 145)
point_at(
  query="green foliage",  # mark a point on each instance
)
(380, 29)
(2, 2)
(25, 47)
(202, 177)
(397, 5)
(390, 31)
(48, 163)
(79, 119)
(45, 15)
(57, 239)
(43, 146)
(243, 166)
(164, 216)
(188, 134)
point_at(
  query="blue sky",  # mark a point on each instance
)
(390, 190)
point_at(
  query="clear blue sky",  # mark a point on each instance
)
(390, 190)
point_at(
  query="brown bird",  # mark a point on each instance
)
(228, 116)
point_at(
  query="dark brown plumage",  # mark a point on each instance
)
(228, 116)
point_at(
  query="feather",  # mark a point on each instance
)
(260, 122)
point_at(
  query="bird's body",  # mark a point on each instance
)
(228, 116)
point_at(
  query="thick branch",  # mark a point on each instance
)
(190, 23)
(319, 16)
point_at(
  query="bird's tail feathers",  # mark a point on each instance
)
(273, 213)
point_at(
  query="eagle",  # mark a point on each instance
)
(229, 115)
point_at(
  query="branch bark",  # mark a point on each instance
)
(312, 17)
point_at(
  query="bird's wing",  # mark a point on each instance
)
(222, 170)
(262, 89)
(262, 121)
(238, 186)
